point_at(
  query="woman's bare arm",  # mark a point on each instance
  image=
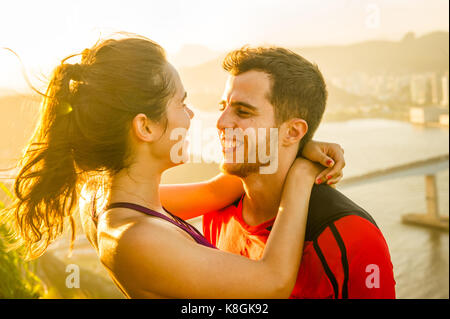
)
(195, 199)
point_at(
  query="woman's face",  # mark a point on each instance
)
(172, 146)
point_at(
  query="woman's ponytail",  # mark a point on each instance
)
(46, 185)
(82, 136)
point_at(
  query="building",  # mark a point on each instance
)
(434, 88)
(428, 115)
(420, 90)
(429, 89)
(444, 82)
(443, 119)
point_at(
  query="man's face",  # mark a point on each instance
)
(245, 106)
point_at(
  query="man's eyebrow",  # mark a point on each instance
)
(240, 103)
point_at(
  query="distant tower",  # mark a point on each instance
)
(444, 81)
(434, 90)
(419, 89)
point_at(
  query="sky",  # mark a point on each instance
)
(45, 31)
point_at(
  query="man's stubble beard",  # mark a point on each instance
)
(241, 170)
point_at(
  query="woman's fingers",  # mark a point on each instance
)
(326, 160)
(336, 169)
(338, 155)
(330, 155)
(335, 179)
(322, 177)
(331, 175)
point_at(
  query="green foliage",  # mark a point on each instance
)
(17, 280)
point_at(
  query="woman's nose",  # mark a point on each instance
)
(190, 112)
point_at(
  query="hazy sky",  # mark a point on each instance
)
(43, 32)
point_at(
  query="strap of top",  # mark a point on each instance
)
(195, 234)
(139, 208)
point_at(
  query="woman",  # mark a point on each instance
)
(106, 124)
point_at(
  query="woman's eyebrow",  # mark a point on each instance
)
(184, 97)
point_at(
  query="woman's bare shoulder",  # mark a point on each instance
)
(124, 231)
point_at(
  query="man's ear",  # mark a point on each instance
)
(293, 131)
(143, 129)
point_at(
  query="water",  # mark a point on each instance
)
(420, 256)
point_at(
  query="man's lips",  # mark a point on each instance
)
(230, 145)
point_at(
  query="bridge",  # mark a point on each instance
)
(428, 168)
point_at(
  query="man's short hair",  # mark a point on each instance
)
(297, 89)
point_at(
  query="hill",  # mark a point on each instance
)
(428, 53)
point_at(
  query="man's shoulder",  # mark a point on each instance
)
(327, 205)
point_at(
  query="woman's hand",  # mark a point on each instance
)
(304, 170)
(330, 155)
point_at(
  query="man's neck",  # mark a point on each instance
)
(263, 195)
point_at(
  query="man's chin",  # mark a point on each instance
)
(241, 170)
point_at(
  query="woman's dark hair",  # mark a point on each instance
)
(85, 118)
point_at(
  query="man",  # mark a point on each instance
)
(345, 254)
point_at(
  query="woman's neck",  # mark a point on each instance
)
(137, 184)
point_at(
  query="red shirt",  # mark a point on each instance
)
(348, 259)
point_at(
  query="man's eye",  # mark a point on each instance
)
(243, 113)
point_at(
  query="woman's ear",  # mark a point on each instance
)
(293, 131)
(144, 129)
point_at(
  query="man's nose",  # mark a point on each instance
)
(225, 120)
